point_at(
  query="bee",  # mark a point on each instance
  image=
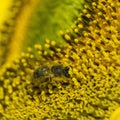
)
(44, 77)
(51, 71)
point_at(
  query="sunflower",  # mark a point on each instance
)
(88, 51)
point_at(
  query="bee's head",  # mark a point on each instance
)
(59, 70)
(66, 72)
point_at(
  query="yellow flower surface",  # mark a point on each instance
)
(13, 26)
(88, 88)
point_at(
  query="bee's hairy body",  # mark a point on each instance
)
(56, 70)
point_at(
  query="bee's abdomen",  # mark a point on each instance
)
(43, 71)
